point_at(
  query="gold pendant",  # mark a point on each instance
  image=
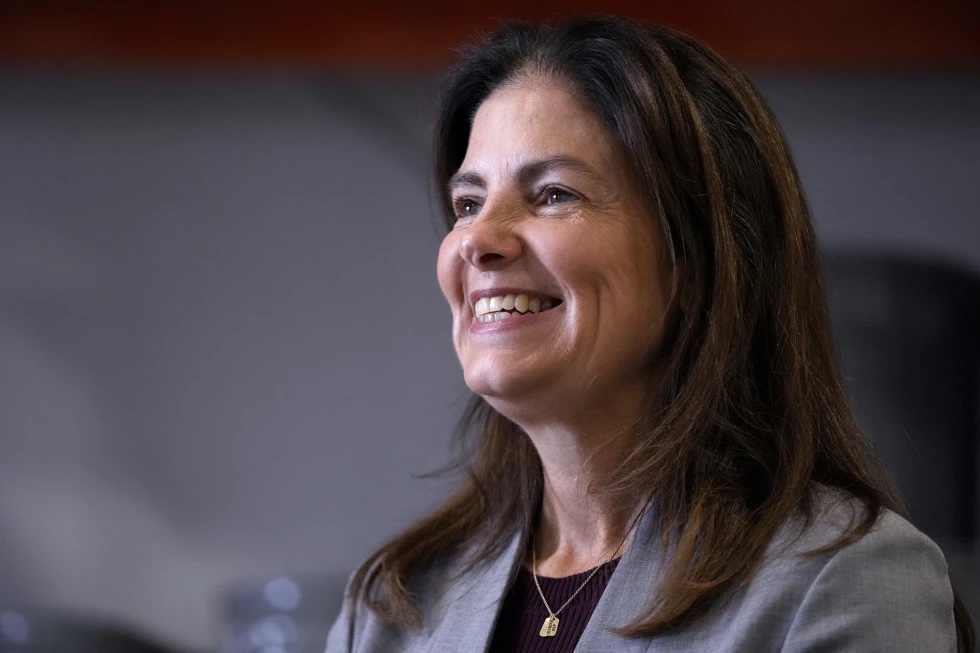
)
(550, 626)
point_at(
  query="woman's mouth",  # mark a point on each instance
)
(503, 307)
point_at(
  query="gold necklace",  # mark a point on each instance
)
(550, 626)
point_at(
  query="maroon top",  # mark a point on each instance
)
(523, 612)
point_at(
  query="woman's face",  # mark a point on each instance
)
(554, 269)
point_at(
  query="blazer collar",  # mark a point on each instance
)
(627, 593)
(473, 603)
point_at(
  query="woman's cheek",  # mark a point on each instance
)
(448, 274)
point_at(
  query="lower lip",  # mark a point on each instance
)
(513, 322)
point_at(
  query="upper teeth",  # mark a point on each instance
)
(499, 307)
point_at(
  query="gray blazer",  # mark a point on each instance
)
(887, 592)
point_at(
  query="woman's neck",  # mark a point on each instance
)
(578, 527)
(581, 446)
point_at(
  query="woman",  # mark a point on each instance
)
(663, 457)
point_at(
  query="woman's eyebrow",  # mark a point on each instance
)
(528, 172)
(465, 179)
(534, 169)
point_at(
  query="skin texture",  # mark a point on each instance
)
(546, 201)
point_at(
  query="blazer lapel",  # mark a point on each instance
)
(473, 603)
(626, 593)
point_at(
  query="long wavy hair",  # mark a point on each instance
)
(751, 415)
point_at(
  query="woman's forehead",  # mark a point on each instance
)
(537, 119)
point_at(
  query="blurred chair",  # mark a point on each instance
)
(35, 630)
(909, 337)
(280, 614)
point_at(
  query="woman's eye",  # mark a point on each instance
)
(557, 196)
(465, 207)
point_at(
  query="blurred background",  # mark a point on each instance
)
(224, 359)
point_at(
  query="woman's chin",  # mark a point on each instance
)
(504, 389)
(522, 402)
(496, 389)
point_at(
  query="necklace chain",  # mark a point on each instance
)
(534, 574)
(550, 626)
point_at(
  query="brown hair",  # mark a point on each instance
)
(752, 415)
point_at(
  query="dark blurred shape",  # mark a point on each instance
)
(280, 614)
(34, 630)
(909, 338)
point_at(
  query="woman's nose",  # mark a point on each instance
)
(490, 243)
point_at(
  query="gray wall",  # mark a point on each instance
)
(222, 348)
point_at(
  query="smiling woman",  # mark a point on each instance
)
(547, 209)
(662, 456)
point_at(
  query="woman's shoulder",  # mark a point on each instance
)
(446, 583)
(888, 589)
(359, 628)
(832, 514)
